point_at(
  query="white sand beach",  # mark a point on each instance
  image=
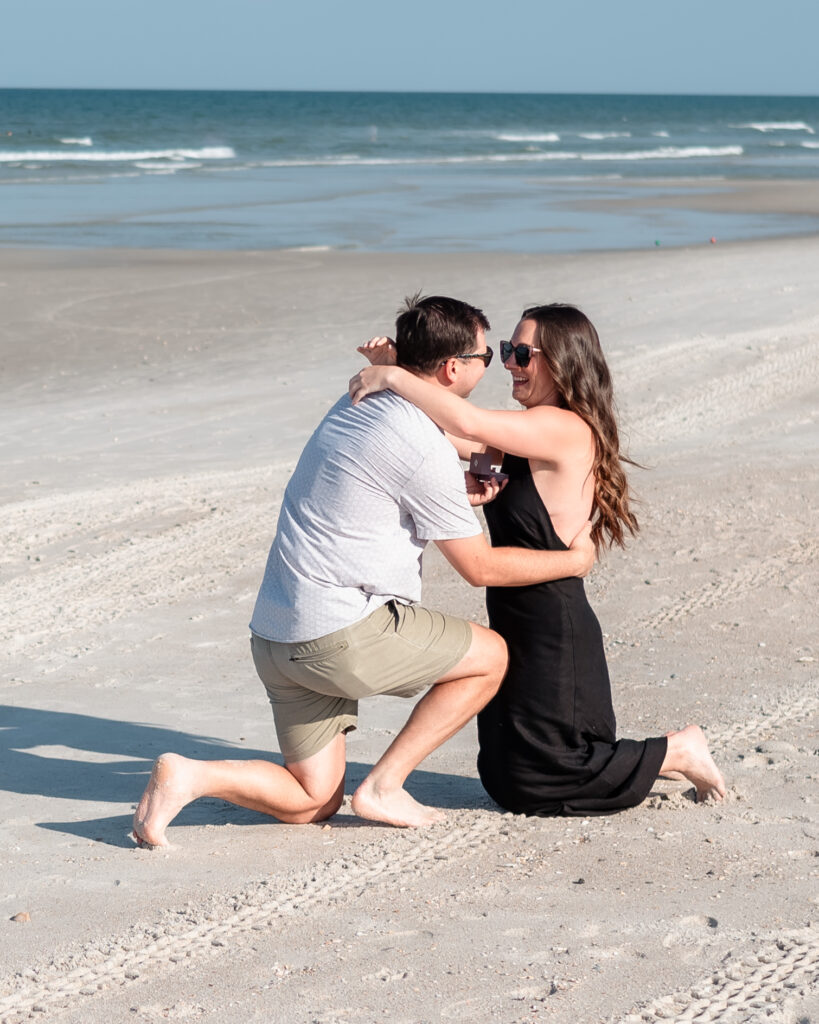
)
(154, 404)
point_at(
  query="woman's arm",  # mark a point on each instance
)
(463, 446)
(544, 433)
(380, 351)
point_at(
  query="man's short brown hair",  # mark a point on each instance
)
(432, 329)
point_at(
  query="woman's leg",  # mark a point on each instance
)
(688, 755)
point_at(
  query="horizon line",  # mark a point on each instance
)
(403, 92)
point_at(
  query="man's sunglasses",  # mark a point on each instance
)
(523, 353)
(486, 356)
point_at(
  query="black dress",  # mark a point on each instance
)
(547, 739)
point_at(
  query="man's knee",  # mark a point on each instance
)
(317, 806)
(489, 654)
(500, 658)
(319, 813)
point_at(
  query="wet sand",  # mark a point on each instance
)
(154, 404)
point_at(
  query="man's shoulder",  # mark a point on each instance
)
(386, 411)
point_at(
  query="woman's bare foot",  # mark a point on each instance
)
(688, 755)
(171, 787)
(395, 807)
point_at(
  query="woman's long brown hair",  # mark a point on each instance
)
(570, 345)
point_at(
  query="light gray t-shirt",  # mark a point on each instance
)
(375, 482)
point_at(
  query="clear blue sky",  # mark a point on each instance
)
(687, 46)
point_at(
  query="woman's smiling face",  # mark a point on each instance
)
(533, 384)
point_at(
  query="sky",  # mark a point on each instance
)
(632, 46)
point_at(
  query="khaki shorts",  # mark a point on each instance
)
(314, 687)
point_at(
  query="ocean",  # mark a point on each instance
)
(405, 172)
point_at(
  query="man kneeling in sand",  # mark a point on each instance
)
(337, 617)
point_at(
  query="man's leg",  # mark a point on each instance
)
(445, 708)
(300, 792)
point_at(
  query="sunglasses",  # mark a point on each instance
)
(523, 353)
(486, 356)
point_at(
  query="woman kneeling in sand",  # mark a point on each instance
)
(547, 739)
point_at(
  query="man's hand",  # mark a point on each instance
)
(481, 492)
(582, 546)
(379, 351)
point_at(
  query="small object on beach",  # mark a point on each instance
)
(22, 918)
(656, 241)
(713, 240)
(579, 881)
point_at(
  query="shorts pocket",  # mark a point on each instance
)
(314, 656)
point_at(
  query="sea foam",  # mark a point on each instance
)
(779, 126)
(662, 153)
(531, 137)
(599, 136)
(668, 153)
(118, 156)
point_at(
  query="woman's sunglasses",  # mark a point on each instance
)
(523, 353)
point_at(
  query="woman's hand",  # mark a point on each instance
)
(368, 381)
(379, 351)
(481, 492)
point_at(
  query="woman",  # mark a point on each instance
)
(547, 739)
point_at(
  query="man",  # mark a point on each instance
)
(337, 617)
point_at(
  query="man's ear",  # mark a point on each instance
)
(448, 371)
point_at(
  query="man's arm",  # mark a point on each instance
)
(485, 566)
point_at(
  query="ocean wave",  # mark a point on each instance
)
(157, 165)
(409, 161)
(661, 153)
(661, 135)
(530, 137)
(779, 126)
(809, 145)
(86, 140)
(668, 153)
(599, 136)
(119, 156)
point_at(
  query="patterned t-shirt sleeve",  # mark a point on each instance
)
(435, 496)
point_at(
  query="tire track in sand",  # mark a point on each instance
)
(724, 590)
(141, 951)
(797, 704)
(744, 991)
(731, 398)
(119, 551)
(126, 958)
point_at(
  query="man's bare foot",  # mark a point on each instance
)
(395, 807)
(689, 755)
(170, 788)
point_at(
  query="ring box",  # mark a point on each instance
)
(487, 465)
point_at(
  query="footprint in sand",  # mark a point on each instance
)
(693, 930)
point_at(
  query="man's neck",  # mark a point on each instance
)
(428, 378)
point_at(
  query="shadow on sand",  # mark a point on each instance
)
(113, 760)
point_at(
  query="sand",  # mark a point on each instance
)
(153, 407)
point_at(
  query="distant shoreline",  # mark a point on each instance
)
(414, 92)
(734, 199)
